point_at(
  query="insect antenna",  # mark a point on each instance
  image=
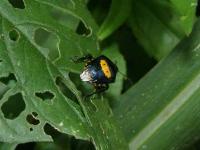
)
(125, 77)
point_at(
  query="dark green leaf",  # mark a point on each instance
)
(164, 105)
(160, 25)
(8, 146)
(119, 11)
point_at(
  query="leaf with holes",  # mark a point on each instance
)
(29, 102)
(37, 93)
(164, 106)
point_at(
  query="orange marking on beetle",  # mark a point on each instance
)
(105, 68)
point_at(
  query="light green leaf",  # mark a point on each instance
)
(160, 25)
(186, 13)
(118, 13)
(164, 106)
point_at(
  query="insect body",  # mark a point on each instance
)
(98, 71)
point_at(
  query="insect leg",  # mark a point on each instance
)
(86, 58)
(99, 89)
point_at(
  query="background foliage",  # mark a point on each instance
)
(156, 44)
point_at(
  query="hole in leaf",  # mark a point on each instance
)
(35, 114)
(14, 35)
(25, 146)
(65, 90)
(45, 95)
(82, 29)
(84, 87)
(31, 129)
(65, 19)
(32, 120)
(17, 3)
(7, 80)
(49, 41)
(13, 106)
(81, 144)
(61, 138)
(50, 130)
(0, 60)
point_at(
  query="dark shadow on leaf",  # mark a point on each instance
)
(99, 9)
(47, 95)
(17, 3)
(13, 106)
(198, 9)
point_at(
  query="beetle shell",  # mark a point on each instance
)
(100, 70)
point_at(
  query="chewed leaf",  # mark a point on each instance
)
(25, 61)
(36, 92)
(23, 57)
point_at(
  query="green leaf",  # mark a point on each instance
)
(106, 133)
(186, 11)
(22, 56)
(118, 13)
(164, 105)
(20, 53)
(159, 26)
(8, 146)
(36, 89)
